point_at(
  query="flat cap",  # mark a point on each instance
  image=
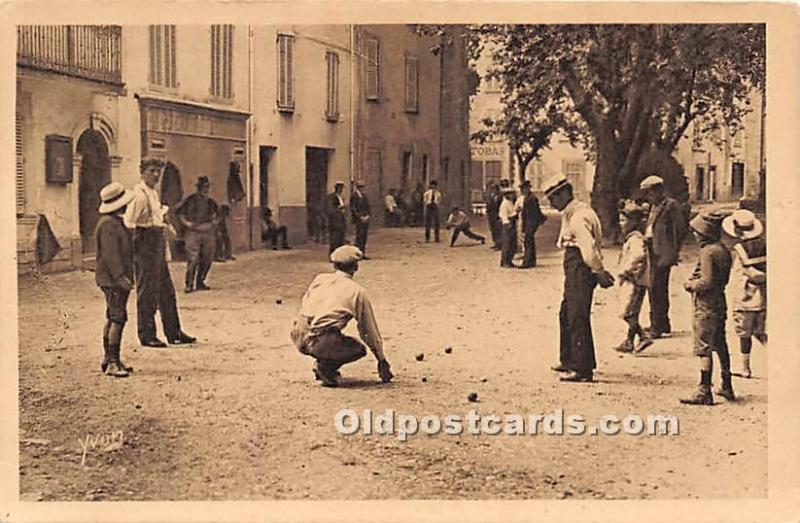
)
(346, 254)
(554, 184)
(651, 181)
(338, 182)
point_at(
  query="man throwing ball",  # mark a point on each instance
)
(331, 301)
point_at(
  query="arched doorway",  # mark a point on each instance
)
(95, 173)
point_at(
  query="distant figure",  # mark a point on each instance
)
(337, 221)
(114, 273)
(432, 199)
(391, 210)
(359, 210)
(417, 205)
(402, 208)
(508, 224)
(532, 217)
(272, 232)
(493, 200)
(459, 221)
(199, 215)
(224, 250)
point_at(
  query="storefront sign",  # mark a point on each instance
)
(497, 150)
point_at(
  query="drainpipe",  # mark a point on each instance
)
(249, 148)
(352, 105)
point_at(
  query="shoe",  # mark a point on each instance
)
(702, 396)
(726, 393)
(115, 370)
(203, 287)
(274, 247)
(651, 334)
(365, 257)
(232, 258)
(325, 379)
(182, 339)
(155, 343)
(188, 290)
(642, 345)
(579, 377)
(483, 241)
(527, 266)
(625, 346)
(560, 368)
(508, 266)
(126, 368)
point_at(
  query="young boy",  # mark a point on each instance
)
(271, 231)
(459, 221)
(114, 273)
(748, 280)
(634, 273)
(707, 285)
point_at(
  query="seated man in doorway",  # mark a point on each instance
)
(271, 231)
(331, 301)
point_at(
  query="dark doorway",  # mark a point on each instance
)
(264, 156)
(316, 189)
(95, 173)
(171, 195)
(699, 183)
(737, 179)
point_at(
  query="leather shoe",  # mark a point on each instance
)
(155, 343)
(182, 339)
(203, 287)
(579, 377)
(560, 368)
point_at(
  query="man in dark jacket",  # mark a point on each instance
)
(199, 215)
(493, 199)
(532, 218)
(665, 231)
(114, 273)
(359, 210)
(337, 221)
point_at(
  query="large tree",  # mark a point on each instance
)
(628, 93)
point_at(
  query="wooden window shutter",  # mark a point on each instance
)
(153, 51)
(412, 84)
(332, 103)
(228, 58)
(285, 72)
(172, 65)
(373, 77)
(214, 58)
(20, 176)
(375, 169)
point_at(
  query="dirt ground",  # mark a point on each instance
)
(239, 416)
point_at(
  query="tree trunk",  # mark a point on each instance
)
(605, 191)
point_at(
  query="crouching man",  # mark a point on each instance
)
(331, 301)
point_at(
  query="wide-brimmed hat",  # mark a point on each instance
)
(555, 184)
(708, 223)
(114, 197)
(743, 224)
(202, 181)
(651, 181)
(346, 254)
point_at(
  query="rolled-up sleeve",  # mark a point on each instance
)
(584, 230)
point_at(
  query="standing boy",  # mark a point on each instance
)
(707, 285)
(114, 273)
(508, 232)
(359, 210)
(634, 275)
(459, 221)
(748, 281)
(432, 200)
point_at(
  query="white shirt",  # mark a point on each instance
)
(580, 227)
(333, 299)
(432, 196)
(145, 210)
(508, 211)
(390, 203)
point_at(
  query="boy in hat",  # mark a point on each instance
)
(459, 221)
(634, 274)
(114, 273)
(707, 285)
(331, 301)
(748, 281)
(199, 214)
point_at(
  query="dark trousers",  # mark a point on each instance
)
(200, 248)
(274, 235)
(577, 343)
(432, 222)
(361, 235)
(336, 234)
(224, 251)
(508, 243)
(530, 247)
(659, 299)
(494, 229)
(467, 232)
(154, 288)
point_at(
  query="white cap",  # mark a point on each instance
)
(651, 181)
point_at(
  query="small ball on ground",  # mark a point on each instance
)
(473, 397)
(419, 357)
(448, 350)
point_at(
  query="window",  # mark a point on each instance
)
(492, 85)
(574, 172)
(493, 172)
(162, 56)
(222, 61)
(285, 72)
(426, 169)
(332, 104)
(20, 179)
(412, 84)
(373, 76)
(375, 169)
(476, 174)
(737, 179)
(408, 166)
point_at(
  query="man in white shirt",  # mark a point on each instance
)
(390, 205)
(432, 199)
(580, 237)
(154, 287)
(508, 228)
(331, 301)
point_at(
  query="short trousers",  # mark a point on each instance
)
(709, 333)
(116, 304)
(750, 323)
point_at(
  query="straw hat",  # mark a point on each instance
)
(114, 197)
(743, 224)
(554, 184)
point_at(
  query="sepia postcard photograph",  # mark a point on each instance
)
(401, 261)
